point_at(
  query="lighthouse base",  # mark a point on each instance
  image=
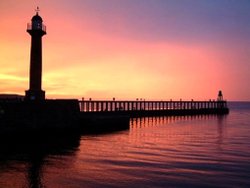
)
(34, 95)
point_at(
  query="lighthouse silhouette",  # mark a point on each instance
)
(37, 30)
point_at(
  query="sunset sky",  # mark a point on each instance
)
(128, 49)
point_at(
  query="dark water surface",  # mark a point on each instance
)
(190, 151)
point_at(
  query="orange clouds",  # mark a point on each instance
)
(129, 69)
(83, 57)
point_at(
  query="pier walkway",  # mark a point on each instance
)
(144, 108)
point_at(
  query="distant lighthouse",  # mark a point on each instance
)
(36, 29)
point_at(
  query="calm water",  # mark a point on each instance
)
(198, 151)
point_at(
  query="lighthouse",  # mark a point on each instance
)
(37, 30)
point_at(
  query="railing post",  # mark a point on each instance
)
(101, 106)
(97, 107)
(87, 106)
(83, 103)
(114, 106)
(93, 106)
(106, 106)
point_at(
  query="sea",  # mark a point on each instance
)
(158, 152)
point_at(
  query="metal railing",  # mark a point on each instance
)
(111, 106)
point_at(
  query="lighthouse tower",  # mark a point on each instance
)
(36, 29)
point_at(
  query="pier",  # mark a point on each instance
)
(56, 116)
(148, 108)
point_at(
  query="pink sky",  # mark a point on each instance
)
(129, 49)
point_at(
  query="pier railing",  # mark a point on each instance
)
(141, 105)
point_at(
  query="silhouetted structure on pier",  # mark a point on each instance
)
(36, 29)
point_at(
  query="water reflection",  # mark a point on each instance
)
(26, 157)
(181, 132)
(220, 130)
(35, 171)
(164, 120)
(181, 151)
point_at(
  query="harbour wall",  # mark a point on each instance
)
(55, 116)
